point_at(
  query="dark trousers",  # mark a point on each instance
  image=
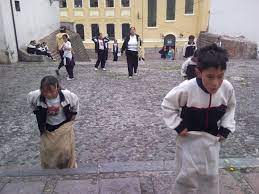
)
(115, 56)
(132, 60)
(106, 54)
(70, 64)
(101, 59)
(61, 64)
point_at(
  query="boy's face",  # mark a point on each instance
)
(50, 92)
(191, 40)
(212, 78)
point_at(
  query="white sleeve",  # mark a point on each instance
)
(74, 102)
(228, 119)
(32, 99)
(171, 106)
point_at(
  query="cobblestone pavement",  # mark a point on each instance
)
(120, 119)
(141, 182)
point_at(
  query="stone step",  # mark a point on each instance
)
(105, 186)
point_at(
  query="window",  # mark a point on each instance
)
(152, 7)
(17, 6)
(170, 10)
(110, 31)
(78, 3)
(62, 3)
(109, 3)
(189, 6)
(125, 30)
(80, 30)
(125, 3)
(95, 29)
(93, 3)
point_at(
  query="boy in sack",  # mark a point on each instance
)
(201, 110)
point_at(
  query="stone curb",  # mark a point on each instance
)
(120, 167)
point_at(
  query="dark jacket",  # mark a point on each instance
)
(163, 53)
(126, 41)
(68, 100)
(115, 49)
(96, 42)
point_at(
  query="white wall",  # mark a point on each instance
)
(235, 18)
(8, 50)
(36, 20)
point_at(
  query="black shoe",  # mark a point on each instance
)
(57, 72)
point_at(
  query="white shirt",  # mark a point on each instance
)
(133, 43)
(185, 65)
(55, 112)
(67, 53)
(101, 45)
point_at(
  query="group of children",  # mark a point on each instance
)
(39, 49)
(169, 52)
(201, 110)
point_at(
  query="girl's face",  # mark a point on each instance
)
(50, 92)
(64, 39)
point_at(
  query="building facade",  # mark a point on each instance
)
(153, 19)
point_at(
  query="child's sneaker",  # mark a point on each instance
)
(70, 79)
(104, 69)
(96, 69)
(130, 77)
(136, 74)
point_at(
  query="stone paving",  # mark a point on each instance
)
(140, 182)
(120, 119)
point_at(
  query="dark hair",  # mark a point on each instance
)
(38, 45)
(48, 81)
(132, 27)
(62, 29)
(212, 56)
(191, 37)
(65, 36)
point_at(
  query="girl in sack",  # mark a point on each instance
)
(55, 111)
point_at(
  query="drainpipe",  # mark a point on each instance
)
(14, 27)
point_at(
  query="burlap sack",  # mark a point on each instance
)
(197, 162)
(57, 148)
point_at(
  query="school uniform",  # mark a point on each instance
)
(53, 113)
(115, 50)
(60, 41)
(189, 49)
(68, 60)
(163, 53)
(205, 115)
(54, 118)
(188, 69)
(131, 45)
(31, 49)
(100, 49)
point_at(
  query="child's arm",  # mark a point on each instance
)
(172, 103)
(227, 124)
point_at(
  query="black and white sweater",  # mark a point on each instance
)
(191, 106)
